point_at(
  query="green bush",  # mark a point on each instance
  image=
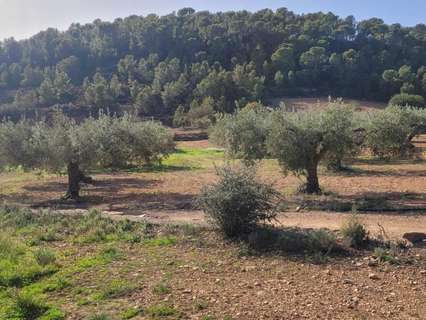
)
(354, 232)
(44, 256)
(100, 316)
(390, 132)
(238, 202)
(405, 99)
(27, 306)
(320, 241)
(243, 134)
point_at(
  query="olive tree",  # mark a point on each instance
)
(243, 134)
(102, 142)
(301, 140)
(390, 132)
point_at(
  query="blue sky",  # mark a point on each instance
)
(22, 18)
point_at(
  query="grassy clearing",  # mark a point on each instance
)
(194, 158)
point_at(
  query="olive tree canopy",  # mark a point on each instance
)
(106, 141)
(389, 132)
(300, 140)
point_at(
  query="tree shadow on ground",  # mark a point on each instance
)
(360, 172)
(389, 202)
(295, 243)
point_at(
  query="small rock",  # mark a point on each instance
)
(373, 276)
(415, 237)
(372, 263)
(348, 281)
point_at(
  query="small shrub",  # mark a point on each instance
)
(131, 313)
(49, 235)
(200, 305)
(161, 289)
(53, 314)
(354, 232)
(10, 249)
(161, 311)
(27, 306)
(56, 284)
(100, 316)
(404, 100)
(116, 289)
(44, 256)
(383, 255)
(238, 202)
(321, 241)
(111, 253)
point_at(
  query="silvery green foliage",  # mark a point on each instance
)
(238, 202)
(300, 140)
(389, 132)
(106, 141)
(243, 134)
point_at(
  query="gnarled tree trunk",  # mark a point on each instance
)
(312, 183)
(75, 177)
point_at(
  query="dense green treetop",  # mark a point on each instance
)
(159, 63)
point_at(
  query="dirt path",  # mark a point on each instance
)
(394, 225)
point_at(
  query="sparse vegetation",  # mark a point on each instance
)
(354, 232)
(44, 256)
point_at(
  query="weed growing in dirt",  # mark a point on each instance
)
(117, 289)
(131, 313)
(384, 255)
(44, 256)
(158, 311)
(321, 241)
(100, 316)
(354, 232)
(28, 307)
(161, 289)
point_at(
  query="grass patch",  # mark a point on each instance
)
(44, 256)
(116, 289)
(100, 316)
(131, 313)
(194, 158)
(160, 241)
(161, 289)
(161, 311)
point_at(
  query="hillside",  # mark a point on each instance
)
(197, 63)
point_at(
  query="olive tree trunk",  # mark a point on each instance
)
(312, 183)
(75, 177)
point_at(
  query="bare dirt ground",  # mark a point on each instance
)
(395, 225)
